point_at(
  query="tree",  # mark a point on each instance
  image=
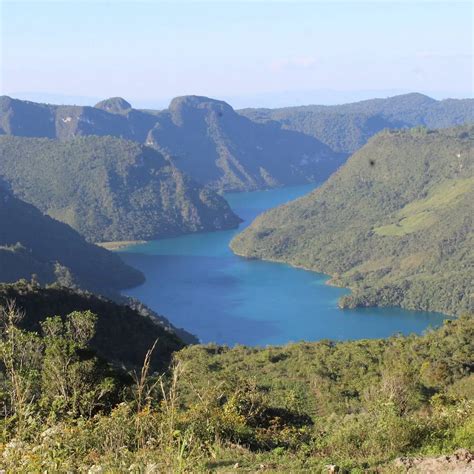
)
(73, 382)
(20, 354)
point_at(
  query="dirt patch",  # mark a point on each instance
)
(461, 462)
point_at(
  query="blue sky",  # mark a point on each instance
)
(268, 53)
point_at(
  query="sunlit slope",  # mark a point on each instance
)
(394, 224)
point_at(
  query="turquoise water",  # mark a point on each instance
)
(201, 286)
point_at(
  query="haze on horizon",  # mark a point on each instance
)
(267, 53)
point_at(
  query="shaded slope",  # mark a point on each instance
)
(123, 335)
(208, 140)
(32, 243)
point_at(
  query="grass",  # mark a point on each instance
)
(422, 213)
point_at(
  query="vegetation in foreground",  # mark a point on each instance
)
(294, 408)
(123, 332)
(394, 223)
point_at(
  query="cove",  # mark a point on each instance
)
(201, 286)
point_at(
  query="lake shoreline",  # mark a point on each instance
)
(226, 298)
(330, 282)
(119, 244)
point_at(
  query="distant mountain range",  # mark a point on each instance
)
(203, 137)
(226, 151)
(346, 128)
(394, 223)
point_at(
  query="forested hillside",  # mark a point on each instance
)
(346, 128)
(110, 189)
(394, 223)
(34, 244)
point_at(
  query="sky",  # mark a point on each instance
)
(265, 53)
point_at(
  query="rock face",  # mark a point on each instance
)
(34, 244)
(110, 189)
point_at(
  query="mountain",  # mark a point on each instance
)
(110, 117)
(208, 140)
(346, 128)
(123, 334)
(205, 138)
(34, 244)
(110, 189)
(394, 223)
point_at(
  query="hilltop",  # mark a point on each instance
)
(346, 128)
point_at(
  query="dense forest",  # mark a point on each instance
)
(110, 189)
(346, 128)
(394, 223)
(299, 408)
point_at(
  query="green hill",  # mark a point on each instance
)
(346, 128)
(394, 223)
(34, 244)
(110, 189)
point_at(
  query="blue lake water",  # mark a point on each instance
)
(201, 286)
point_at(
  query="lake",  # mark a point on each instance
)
(201, 286)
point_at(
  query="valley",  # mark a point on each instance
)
(236, 237)
(202, 286)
